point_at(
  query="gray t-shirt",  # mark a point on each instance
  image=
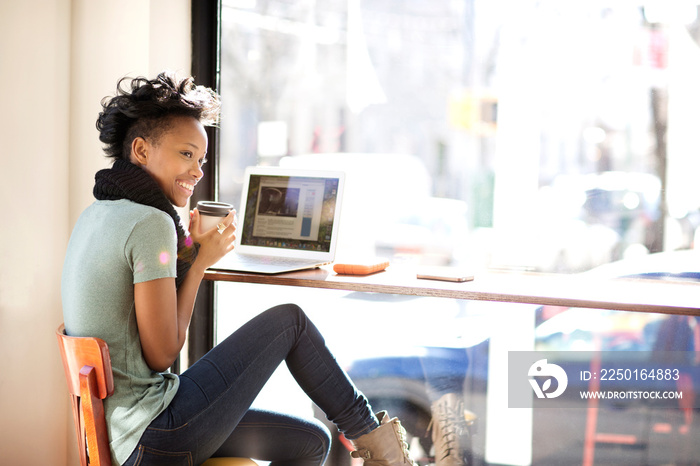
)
(114, 245)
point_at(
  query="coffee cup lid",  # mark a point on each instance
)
(214, 208)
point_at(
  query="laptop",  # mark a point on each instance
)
(288, 220)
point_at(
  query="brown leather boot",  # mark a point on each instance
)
(450, 431)
(385, 445)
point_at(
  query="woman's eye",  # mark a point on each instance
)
(202, 162)
(187, 154)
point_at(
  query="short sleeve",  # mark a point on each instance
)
(152, 248)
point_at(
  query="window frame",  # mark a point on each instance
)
(206, 69)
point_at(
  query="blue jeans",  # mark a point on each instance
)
(211, 416)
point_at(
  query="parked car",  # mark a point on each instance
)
(646, 434)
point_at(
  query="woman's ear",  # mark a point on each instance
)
(139, 151)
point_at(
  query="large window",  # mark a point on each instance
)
(545, 136)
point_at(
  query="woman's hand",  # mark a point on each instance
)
(215, 243)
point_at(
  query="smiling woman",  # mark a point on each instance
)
(121, 283)
(175, 158)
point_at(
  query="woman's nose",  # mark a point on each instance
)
(196, 171)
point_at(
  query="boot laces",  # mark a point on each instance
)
(453, 427)
(401, 431)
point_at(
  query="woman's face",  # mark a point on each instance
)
(175, 160)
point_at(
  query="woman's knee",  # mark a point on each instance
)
(288, 308)
(318, 443)
(282, 439)
(289, 312)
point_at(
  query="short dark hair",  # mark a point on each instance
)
(145, 108)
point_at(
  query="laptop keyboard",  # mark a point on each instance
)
(271, 260)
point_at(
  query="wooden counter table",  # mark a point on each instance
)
(530, 288)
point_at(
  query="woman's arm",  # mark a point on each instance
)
(162, 312)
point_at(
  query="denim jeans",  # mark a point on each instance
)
(211, 416)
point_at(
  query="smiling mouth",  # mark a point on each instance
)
(187, 186)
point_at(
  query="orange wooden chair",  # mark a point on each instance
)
(89, 375)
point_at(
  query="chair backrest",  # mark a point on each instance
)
(88, 371)
(89, 375)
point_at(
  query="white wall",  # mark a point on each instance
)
(58, 58)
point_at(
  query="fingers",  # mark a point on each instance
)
(229, 230)
(228, 223)
(221, 227)
(230, 219)
(217, 241)
(194, 222)
(224, 238)
(225, 231)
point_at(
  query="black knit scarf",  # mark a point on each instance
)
(128, 181)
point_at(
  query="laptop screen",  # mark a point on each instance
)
(290, 212)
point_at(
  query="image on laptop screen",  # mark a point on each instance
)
(289, 212)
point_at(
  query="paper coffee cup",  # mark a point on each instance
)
(211, 214)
